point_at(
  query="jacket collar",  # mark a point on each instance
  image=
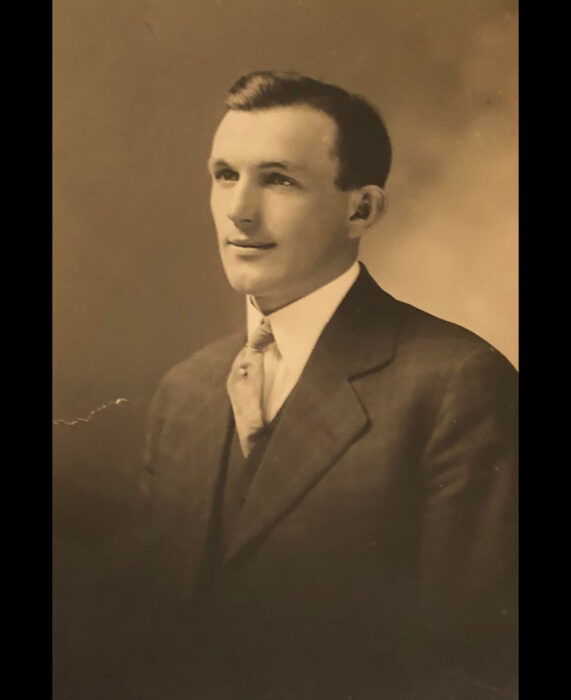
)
(363, 334)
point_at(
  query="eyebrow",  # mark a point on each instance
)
(283, 165)
(264, 165)
(217, 164)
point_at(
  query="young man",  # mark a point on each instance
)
(333, 493)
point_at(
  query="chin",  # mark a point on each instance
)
(248, 284)
(245, 279)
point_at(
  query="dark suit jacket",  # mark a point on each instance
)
(375, 554)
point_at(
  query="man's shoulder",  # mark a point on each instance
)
(375, 319)
(207, 362)
(440, 339)
(202, 370)
(433, 352)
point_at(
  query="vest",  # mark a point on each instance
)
(235, 478)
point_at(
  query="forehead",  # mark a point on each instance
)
(298, 134)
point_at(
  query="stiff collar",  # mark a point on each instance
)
(297, 326)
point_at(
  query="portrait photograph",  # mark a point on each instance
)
(285, 350)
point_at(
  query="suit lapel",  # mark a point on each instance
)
(323, 416)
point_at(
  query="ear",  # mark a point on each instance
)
(367, 205)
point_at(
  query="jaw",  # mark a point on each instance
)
(273, 292)
(247, 276)
(279, 275)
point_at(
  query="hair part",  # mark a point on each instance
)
(363, 145)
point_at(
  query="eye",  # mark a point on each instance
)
(279, 179)
(226, 175)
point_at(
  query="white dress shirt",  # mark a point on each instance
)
(296, 328)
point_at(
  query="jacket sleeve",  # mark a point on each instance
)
(469, 531)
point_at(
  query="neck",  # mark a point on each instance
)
(268, 305)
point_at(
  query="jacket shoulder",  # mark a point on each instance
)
(196, 375)
(371, 328)
(443, 342)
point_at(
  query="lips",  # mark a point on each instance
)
(251, 244)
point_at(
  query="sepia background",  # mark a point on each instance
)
(138, 90)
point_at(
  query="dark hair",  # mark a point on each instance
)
(363, 145)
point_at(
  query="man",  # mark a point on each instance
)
(333, 502)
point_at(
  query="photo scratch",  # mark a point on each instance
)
(89, 416)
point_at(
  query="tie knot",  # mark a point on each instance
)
(261, 337)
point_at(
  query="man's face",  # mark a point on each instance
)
(281, 221)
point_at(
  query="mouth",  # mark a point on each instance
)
(250, 245)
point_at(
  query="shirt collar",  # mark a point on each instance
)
(297, 326)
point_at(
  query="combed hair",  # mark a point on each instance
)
(363, 144)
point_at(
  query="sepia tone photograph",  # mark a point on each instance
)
(285, 342)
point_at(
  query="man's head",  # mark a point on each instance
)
(298, 168)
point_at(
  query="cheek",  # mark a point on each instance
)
(218, 208)
(321, 217)
(288, 217)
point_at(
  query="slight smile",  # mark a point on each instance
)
(251, 244)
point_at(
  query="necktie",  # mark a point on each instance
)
(245, 386)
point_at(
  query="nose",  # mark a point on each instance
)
(243, 205)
